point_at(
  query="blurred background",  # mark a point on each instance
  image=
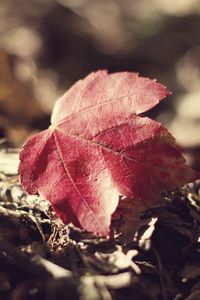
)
(47, 45)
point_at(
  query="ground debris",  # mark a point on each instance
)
(40, 258)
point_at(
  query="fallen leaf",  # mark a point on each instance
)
(99, 147)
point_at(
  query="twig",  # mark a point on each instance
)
(162, 283)
(54, 276)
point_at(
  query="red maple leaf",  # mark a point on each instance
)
(99, 147)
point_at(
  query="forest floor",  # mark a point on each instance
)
(40, 258)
